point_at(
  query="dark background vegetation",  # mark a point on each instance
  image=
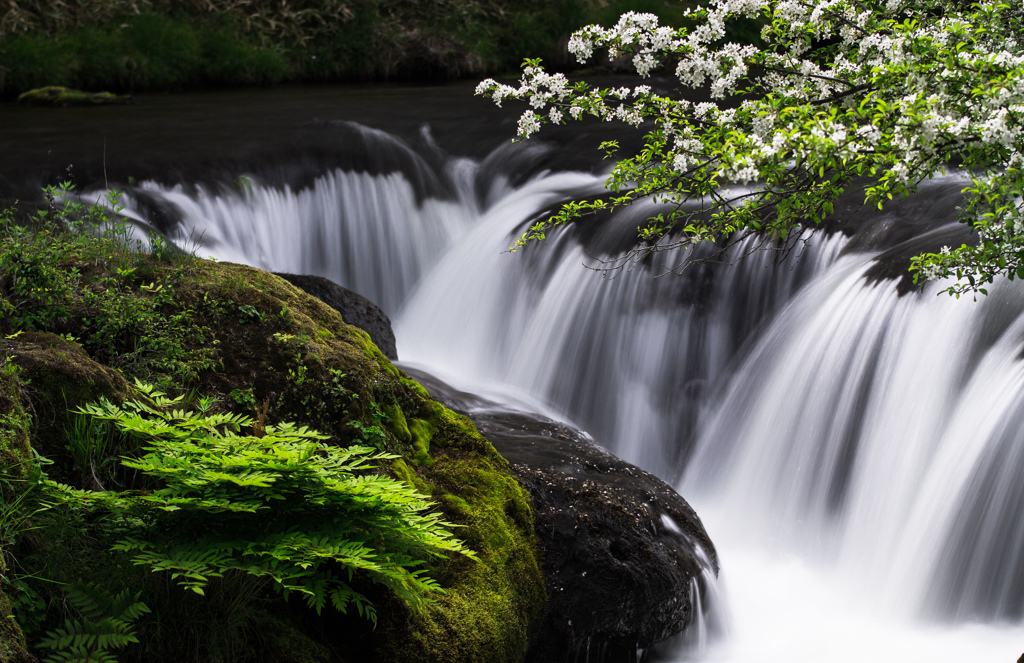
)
(161, 45)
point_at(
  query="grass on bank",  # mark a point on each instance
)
(136, 45)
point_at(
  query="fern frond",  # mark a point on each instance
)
(106, 624)
(285, 508)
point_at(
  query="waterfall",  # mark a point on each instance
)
(375, 230)
(855, 454)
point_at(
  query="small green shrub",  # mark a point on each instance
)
(249, 313)
(79, 268)
(244, 398)
(91, 445)
(284, 507)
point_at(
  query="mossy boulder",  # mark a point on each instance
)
(13, 648)
(303, 363)
(623, 553)
(15, 451)
(55, 95)
(278, 354)
(59, 376)
(356, 310)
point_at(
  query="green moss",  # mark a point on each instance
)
(61, 96)
(13, 647)
(401, 470)
(61, 376)
(397, 424)
(501, 596)
(373, 352)
(414, 386)
(15, 465)
(422, 433)
(15, 452)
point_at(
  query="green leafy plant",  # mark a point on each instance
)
(372, 435)
(20, 499)
(334, 385)
(78, 271)
(26, 602)
(298, 374)
(159, 247)
(249, 313)
(284, 507)
(93, 446)
(106, 624)
(245, 398)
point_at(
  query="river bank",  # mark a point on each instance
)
(128, 46)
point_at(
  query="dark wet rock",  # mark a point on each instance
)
(905, 228)
(892, 265)
(622, 551)
(355, 309)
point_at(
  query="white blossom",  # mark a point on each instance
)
(529, 124)
(897, 103)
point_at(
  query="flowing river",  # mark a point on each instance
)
(855, 453)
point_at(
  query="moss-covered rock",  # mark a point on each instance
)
(307, 365)
(59, 376)
(13, 648)
(55, 95)
(502, 596)
(15, 463)
(624, 555)
(354, 308)
(279, 354)
(15, 451)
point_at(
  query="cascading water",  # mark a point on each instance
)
(376, 233)
(854, 454)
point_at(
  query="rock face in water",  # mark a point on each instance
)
(623, 552)
(355, 309)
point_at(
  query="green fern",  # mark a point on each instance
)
(105, 624)
(285, 507)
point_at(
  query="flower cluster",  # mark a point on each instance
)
(838, 90)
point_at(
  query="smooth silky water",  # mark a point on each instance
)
(855, 455)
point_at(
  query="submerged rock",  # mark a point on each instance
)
(56, 95)
(355, 309)
(622, 551)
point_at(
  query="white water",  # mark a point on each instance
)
(855, 456)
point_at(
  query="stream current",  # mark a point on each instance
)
(856, 455)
